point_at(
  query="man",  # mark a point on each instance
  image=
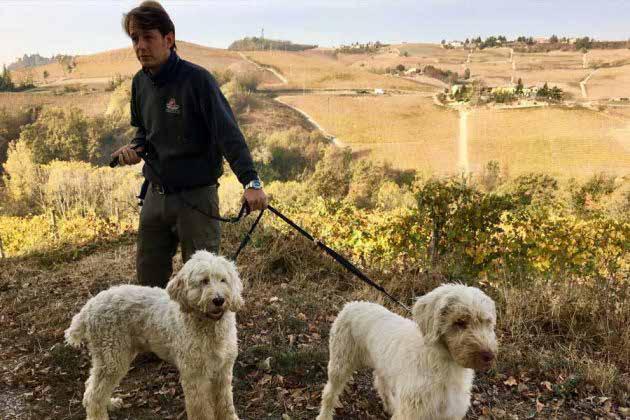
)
(186, 127)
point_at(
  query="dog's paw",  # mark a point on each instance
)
(115, 404)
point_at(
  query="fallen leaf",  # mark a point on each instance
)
(511, 381)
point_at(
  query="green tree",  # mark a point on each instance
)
(543, 92)
(6, 84)
(460, 216)
(332, 175)
(519, 86)
(66, 134)
(556, 94)
(553, 39)
(583, 44)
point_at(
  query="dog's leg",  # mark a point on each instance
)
(342, 364)
(197, 392)
(385, 392)
(105, 375)
(221, 391)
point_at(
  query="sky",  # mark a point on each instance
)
(84, 27)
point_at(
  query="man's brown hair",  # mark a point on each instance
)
(149, 15)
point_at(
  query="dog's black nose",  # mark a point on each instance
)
(218, 301)
(486, 356)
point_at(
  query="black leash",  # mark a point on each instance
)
(248, 235)
(234, 219)
(337, 257)
(245, 210)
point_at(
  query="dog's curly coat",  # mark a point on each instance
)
(191, 324)
(422, 369)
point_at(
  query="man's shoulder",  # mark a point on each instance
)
(139, 77)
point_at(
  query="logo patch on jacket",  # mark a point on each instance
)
(172, 107)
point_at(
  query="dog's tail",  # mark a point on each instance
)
(75, 334)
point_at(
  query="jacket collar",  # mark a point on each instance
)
(166, 72)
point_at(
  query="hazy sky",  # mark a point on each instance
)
(83, 27)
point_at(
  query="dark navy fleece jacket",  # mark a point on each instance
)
(186, 126)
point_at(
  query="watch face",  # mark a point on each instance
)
(255, 184)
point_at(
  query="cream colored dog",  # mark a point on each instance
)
(190, 324)
(422, 369)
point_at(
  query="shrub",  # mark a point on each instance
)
(332, 174)
(249, 81)
(66, 134)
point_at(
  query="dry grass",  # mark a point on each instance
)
(320, 70)
(407, 130)
(433, 53)
(92, 103)
(410, 132)
(561, 142)
(100, 67)
(611, 82)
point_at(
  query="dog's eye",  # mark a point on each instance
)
(223, 281)
(460, 323)
(205, 281)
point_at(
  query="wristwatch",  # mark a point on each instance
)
(255, 184)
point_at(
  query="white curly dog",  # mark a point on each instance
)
(191, 324)
(422, 369)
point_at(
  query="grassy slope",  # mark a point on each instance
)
(407, 130)
(102, 66)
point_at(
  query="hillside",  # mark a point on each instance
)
(101, 67)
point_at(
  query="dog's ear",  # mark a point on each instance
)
(423, 313)
(429, 312)
(176, 289)
(236, 302)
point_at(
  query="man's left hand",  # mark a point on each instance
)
(256, 199)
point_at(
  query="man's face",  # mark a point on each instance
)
(151, 48)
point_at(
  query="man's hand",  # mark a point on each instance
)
(256, 199)
(127, 155)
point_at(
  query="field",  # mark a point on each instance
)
(319, 69)
(91, 103)
(613, 82)
(564, 143)
(406, 130)
(411, 132)
(100, 68)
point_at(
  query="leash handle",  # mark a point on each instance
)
(116, 160)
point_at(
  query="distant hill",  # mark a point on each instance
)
(263, 44)
(34, 60)
(100, 67)
(29, 61)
